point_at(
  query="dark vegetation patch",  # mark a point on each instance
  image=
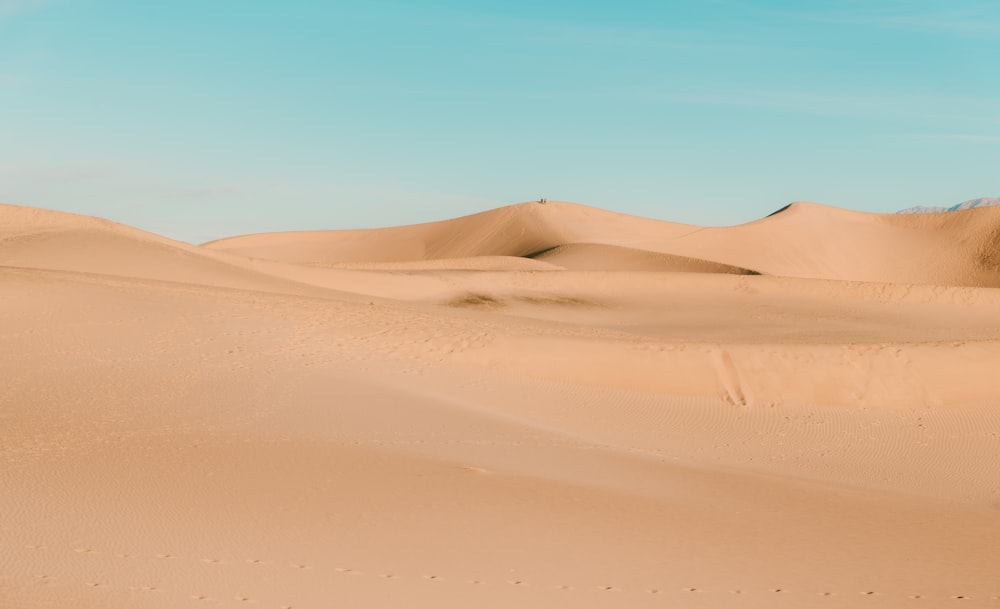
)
(988, 256)
(475, 299)
(565, 301)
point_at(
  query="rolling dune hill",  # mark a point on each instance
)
(817, 241)
(543, 405)
(805, 240)
(43, 239)
(516, 230)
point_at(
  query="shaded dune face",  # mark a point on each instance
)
(598, 257)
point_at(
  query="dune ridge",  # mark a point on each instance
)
(542, 405)
(818, 241)
(805, 240)
(43, 239)
(523, 229)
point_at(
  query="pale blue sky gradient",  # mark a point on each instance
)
(203, 119)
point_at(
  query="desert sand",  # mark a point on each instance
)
(542, 405)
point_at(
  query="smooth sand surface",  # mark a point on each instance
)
(543, 405)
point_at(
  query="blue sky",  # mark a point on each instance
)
(203, 119)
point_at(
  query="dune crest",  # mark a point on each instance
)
(806, 240)
(816, 241)
(42, 239)
(515, 230)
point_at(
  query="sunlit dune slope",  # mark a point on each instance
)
(818, 241)
(805, 240)
(43, 239)
(543, 405)
(515, 230)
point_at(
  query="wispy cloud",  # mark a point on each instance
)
(123, 180)
(11, 8)
(627, 38)
(961, 24)
(875, 104)
(930, 108)
(567, 30)
(162, 191)
(927, 16)
(960, 138)
(55, 174)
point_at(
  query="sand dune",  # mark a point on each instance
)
(816, 241)
(802, 240)
(596, 257)
(545, 405)
(516, 230)
(42, 239)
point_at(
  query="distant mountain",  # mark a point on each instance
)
(922, 209)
